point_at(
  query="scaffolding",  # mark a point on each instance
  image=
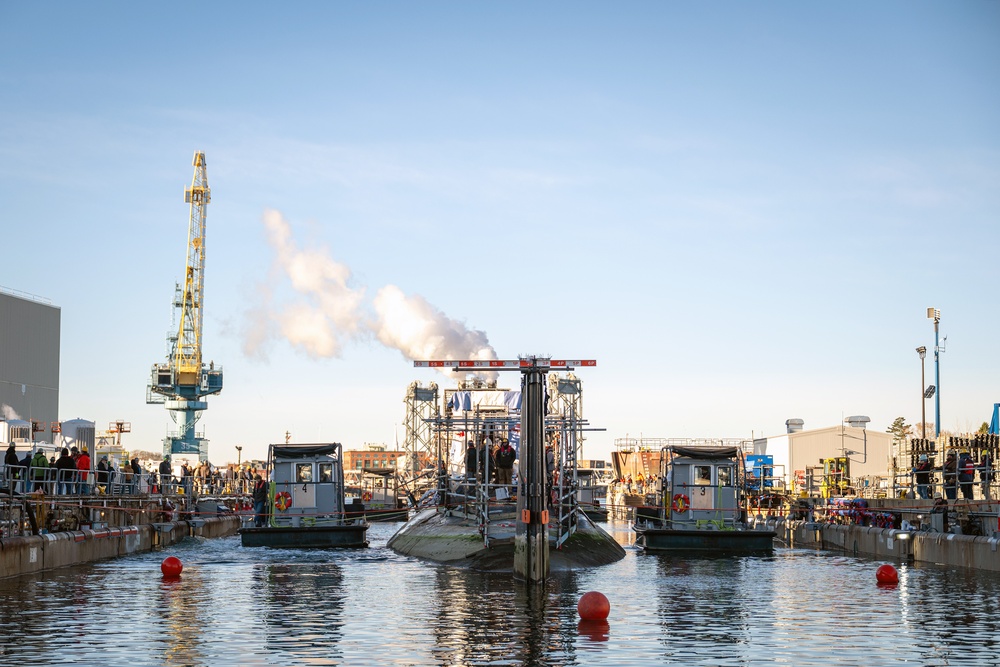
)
(422, 407)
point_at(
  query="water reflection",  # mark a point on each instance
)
(300, 610)
(235, 606)
(178, 612)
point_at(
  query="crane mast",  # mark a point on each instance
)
(187, 356)
(182, 382)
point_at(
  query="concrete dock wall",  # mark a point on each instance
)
(980, 553)
(24, 555)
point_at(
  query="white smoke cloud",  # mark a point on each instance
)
(329, 312)
(9, 412)
(420, 331)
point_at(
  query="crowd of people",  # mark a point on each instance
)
(958, 473)
(73, 472)
(497, 461)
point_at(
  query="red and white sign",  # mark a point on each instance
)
(506, 363)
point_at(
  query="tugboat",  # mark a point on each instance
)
(528, 525)
(306, 494)
(380, 495)
(700, 505)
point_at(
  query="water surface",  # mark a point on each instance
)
(236, 606)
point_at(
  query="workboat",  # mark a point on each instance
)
(592, 493)
(379, 488)
(526, 520)
(699, 504)
(306, 501)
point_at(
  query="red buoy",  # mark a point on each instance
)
(886, 574)
(593, 606)
(171, 566)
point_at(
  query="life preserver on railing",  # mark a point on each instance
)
(366, 496)
(680, 503)
(282, 501)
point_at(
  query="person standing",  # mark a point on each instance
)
(136, 474)
(950, 476)
(165, 474)
(966, 474)
(39, 469)
(187, 479)
(484, 459)
(471, 458)
(83, 471)
(10, 467)
(259, 502)
(986, 474)
(505, 463)
(65, 473)
(922, 475)
(102, 475)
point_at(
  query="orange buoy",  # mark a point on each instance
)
(593, 606)
(171, 566)
(886, 574)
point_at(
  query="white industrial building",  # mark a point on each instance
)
(797, 451)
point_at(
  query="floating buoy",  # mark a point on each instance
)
(171, 566)
(593, 606)
(886, 574)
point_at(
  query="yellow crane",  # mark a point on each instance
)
(183, 381)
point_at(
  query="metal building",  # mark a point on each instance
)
(29, 360)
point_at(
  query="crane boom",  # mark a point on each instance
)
(187, 360)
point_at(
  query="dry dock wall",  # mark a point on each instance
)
(976, 552)
(34, 553)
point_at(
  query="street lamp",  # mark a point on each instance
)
(935, 314)
(922, 351)
(239, 452)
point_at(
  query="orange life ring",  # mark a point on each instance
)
(282, 501)
(681, 503)
(366, 496)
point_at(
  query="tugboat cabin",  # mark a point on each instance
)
(308, 483)
(702, 487)
(699, 505)
(306, 501)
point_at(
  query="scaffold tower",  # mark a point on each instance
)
(422, 405)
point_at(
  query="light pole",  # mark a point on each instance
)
(935, 314)
(922, 351)
(239, 452)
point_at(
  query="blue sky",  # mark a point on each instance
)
(741, 210)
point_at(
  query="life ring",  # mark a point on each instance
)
(680, 503)
(366, 496)
(282, 501)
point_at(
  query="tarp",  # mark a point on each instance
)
(301, 451)
(462, 401)
(707, 452)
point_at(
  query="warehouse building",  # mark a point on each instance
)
(29, 361)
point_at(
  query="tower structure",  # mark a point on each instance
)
(422, 405)
(183, 381)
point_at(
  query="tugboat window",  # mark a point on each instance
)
(303, 472)
(703, 475)
(725, 474)
(325, 472)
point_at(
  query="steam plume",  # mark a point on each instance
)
(329, 311)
